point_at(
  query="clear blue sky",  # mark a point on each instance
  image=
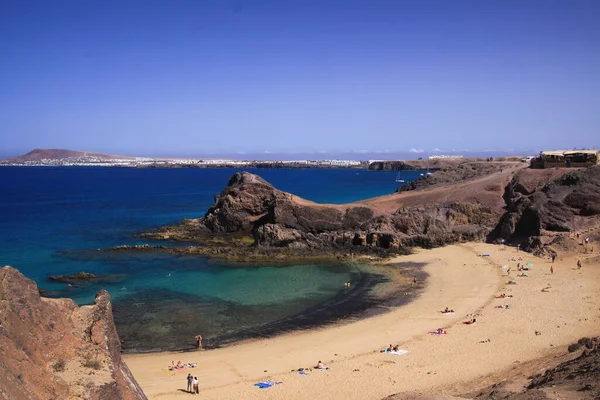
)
(197, 77)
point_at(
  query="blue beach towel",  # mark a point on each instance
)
(266, 384)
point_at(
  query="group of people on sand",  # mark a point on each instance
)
(448, 311)
(392, 348)
(347, 284)
(192, 384)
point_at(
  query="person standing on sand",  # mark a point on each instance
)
(198, 341)
(553, 258)
(195, 386)
(190, 379)
(578, 264)
(551, 269)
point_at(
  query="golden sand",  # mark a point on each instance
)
(560, 307)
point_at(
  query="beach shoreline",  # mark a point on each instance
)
(355, 332)
(460, 279)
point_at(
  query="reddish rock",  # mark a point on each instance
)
(53, 349)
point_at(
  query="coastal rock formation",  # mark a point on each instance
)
(274, 219)
(73, 277)
(452, 175)
(541, 205)
(53, 349)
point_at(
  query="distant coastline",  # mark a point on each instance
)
(71, 158)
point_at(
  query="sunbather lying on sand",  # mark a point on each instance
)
(439, 331)
(448, 311)
(471, 321)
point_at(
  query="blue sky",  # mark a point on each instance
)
(228, 77)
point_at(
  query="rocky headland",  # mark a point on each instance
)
(252, 220)
(551, 209)
(53, 349)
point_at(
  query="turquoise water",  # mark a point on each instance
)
(53, 220)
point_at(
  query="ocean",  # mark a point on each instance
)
(53, 221)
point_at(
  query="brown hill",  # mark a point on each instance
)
(59, 154)
(53, 349)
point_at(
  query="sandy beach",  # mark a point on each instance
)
(546, 313)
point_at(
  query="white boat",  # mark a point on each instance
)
(399, 178)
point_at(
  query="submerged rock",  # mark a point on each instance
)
(53, 349)
(77, 276)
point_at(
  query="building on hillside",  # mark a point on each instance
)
(566, 159)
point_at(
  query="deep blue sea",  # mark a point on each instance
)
(54, 220)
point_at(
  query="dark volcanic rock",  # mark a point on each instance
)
(53, 349)
(274, 219)
(74, 277)
(455, 174)
(537, 207)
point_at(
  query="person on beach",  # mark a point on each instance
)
(198, 341)
(508, 271)
(190, 379)
(391, 348)
(578, 264)
(551, 269)
(320, 365)
(553, 257)
(195, 386)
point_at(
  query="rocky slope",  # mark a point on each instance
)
(275, 219)
(544, 205)
(573, 378)
(460, 173)
(53, 349)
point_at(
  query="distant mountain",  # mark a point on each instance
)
(59, 154)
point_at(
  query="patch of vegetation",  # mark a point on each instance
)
(59, 366)
(583, 342)
(587, 342)
(93, 364)
(574, 347)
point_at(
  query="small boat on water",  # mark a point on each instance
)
(399, 178)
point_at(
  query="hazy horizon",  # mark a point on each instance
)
(312, 77)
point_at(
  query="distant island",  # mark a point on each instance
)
(67, 158)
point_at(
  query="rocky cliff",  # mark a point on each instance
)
(543, 204)
(275, 219)
(53, 349)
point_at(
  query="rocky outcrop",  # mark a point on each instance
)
(53, 349)
(543, 203)
(453, 175)
(275, 219)
(80, 276)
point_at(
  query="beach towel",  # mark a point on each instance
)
(302, 373)
(529, 264)
(485, 255)
(397, 352)
(438, 333)
(266, 384)
(505, 266)
(448, 313)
